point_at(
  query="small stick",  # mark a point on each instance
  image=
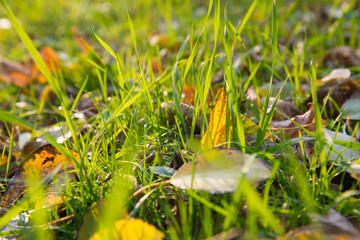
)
(61, 219)
(149, 186)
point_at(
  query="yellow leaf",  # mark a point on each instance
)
(134, 229)
(217, 125)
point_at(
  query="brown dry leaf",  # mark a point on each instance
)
(332, 226)
(290, 129)
(40, 163)
(15, 73)
(216, 134)
(342, 57)
(284, 107)
(339, 93)
(169, 112)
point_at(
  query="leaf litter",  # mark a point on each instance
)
(214, 170)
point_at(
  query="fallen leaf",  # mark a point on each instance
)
(336, 75)
(51, 60)
(89, 222)
(216, 134)
(289, 129)
(342, 57)
(338, 153)
(156, 66)
(123, 228)
(332, 226)
(282, 107)
(135, 229)
(351, 108)
(40, 163)
(169, 112)
(188, 94)
(15, 73)
(24, 138)
(220, 171)
(338, 93)
(80, 40)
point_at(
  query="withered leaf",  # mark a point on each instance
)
(290, 129)
(342, 57)
(332, 226)
(39, 164)
(15, 73)
(284, 107)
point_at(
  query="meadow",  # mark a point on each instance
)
(152, 119)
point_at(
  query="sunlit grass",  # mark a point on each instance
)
(199, 41)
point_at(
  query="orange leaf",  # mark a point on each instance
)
(40, 163)
(80, 40)
(188, 94)
(15, 73)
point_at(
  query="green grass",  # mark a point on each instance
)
(197, 40)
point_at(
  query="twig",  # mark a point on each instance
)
(149, 186)
(55, 222)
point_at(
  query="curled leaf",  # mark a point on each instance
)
(290, 129)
